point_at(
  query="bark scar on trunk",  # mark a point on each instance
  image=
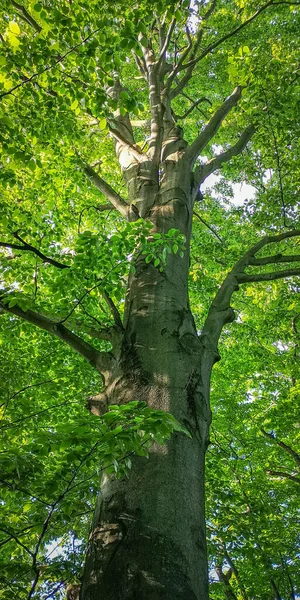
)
(108, 533)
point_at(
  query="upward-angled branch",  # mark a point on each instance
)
(141, 64)
(235, 572)
(101, 361)
(217, 43)
(272, 276)
(133, 149)
(191, 49)
(225, 579)
(215, 163)
(272, 239)
(113, 308)
(128, 211)
(192, 107)
(166, 43)
(195, 58)
(277, 258)
(213, 125)
(220, 311)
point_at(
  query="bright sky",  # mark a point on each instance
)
(242, 191)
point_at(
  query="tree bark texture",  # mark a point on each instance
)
(147, 540)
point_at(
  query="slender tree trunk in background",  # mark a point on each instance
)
(225, 579)
(275, 590)
(236, 574)
(148, 535)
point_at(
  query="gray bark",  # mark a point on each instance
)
(148, 535)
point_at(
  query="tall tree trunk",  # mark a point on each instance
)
(147, 540)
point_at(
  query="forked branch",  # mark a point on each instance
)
(220, 311)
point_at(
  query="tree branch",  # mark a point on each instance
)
(13, 487)
(191, 49)
(194, 105)
(113, 308)
(13, 536)
(225, 37)
(283, 474)
(224, 578)
(49, 67)
(103, 333)
(245, 278)
(278, 258)
(209, 227)
(134, 150)
(101, 361)
(203, 171)
(99, 208)
(235, 572)
(156, 107)
(141, 64)
(29, 248)
(26, 16)
(213, 125)
(166, 43)
(220, 311)
(194, 59)
(128, 211)
(285, 447)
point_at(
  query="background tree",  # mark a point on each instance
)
(111, 121)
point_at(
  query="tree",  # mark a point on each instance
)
(112, 120)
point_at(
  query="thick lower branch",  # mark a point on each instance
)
(101, 361)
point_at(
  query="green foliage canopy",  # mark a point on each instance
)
(66, 255)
